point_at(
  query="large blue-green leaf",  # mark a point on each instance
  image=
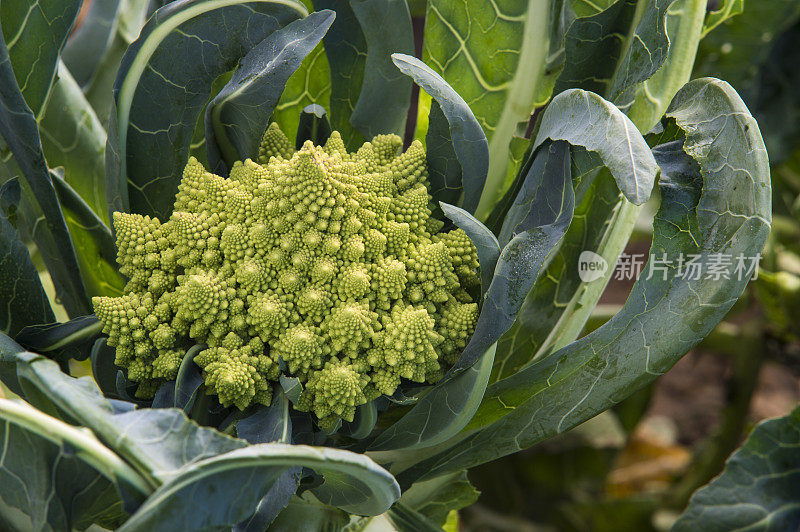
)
(556, 310)
(163, 83)
(429, 423)
(759, 488)
(585, 119)
(235, 120)
(385, 94)
(38, 202)
(715, 203)
(611, 51)
(545, 320)
(59, 476)
(464, 146)
(24, 300)
(534, 227)
(157, 442)
(35, 33)
(353, 482)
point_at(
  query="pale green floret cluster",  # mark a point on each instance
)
(319, 264)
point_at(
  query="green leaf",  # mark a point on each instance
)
(551, 316)
(9, 350)
(494, 55)
(556, 310)
(313, 126)
(62, 341)
(94, 47)
(268, 423)
(273, 502)
(385, 94)
(405, 519)
(189, 380)
(38, 201)
(35, 33)
(464, 145)
(74, 138)
(104, 370)
(309, 85)
(758, 490)
(130, 18)
(485, 242)
(585, 119)
(353, 482)
(235, 120)
(613, 50)
(90, 41)
(364, 421)
(534, 227)
(346, 51)
(427, 423)
(150, 82)
(444, 169)
(94, 245)
(435, 498)
(59, 475)
(24, 299)
(715, 202)
(292, 387)
(725, 10)
(306, 513)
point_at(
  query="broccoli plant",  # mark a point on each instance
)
(293, 322)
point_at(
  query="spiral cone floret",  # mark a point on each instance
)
(317, 264)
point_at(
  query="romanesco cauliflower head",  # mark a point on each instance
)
(319, 264)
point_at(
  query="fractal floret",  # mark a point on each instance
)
(318, 264)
